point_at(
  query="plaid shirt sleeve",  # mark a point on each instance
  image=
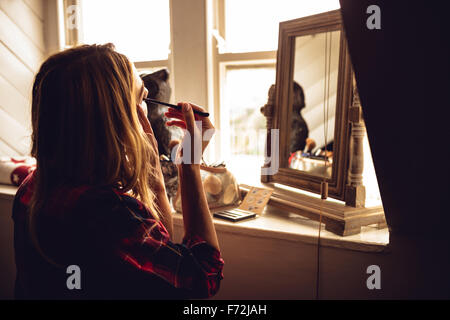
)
(143, 244)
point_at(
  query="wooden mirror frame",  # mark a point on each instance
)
(289, 30)
(345, 183)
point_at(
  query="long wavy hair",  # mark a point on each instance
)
(85, 127)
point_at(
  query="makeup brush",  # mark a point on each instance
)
(203, 114)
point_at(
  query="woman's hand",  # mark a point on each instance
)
(147, 128)
(186, 119)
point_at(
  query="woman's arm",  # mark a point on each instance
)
(196, 215)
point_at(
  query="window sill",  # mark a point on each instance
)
(277, 224)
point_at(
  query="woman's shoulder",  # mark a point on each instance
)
(101, 204)
(64, 196)
(109, 199)
(107, 212)
(84, 200)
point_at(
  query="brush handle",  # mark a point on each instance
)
(203, 114)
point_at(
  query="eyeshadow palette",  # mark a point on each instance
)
(234, 215)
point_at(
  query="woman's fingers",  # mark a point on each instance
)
(147, 127)
(174, 113)
(177, 123)
(177, 115)
(196, 107)
(188, 115)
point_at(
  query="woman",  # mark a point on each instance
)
(299, 128)
(96, 202)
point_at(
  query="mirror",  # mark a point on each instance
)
(313, 113)
(309, 105)
(315, 128)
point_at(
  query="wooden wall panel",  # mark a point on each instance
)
(37, 6)
(18, 42)
(22, 50)
(22, 15)
(14, 134)
(6, 150)
(15, 72)
(14, 103)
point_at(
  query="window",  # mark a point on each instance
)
(139, 28)
(242, 121)
(252, 25)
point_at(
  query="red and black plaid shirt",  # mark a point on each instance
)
(121, 250)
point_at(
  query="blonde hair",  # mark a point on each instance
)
(86, 129)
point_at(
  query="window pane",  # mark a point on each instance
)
(244, 126)
(252, 25)
(139, 28)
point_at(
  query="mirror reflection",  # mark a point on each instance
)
(312, 117)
